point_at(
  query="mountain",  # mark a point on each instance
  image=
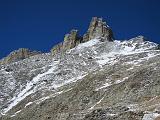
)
(90, 77)
(97, 29)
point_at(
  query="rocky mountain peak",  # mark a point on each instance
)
(73, 35)
(139, 39)
(71, 40)
(17, 55)
(97, 29)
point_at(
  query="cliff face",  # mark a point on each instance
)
(17, 55)
(97, 29)
(70, 41)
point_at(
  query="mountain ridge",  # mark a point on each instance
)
(97, 28)
(17, 55)
(99, 79)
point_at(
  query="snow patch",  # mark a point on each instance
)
(87, 44)
(28, 104)
(137, 62)
(119, 81)
(50, 96)
(29, 89)
(107, 84)
(96, 103)
(16, 113)
(111, 114)
(107, 58)
(150, 116)
(104, 86)
(133, 107)
(69, 81)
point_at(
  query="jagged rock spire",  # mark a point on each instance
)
(97, 29)
(70, 41)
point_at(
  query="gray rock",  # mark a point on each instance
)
(17, 55)
(97, 29)
(70, 41)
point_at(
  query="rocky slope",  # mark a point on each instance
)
(97, 79)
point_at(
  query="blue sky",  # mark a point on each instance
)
(39, 24)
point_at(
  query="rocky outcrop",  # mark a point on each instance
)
(57, 48)
(70, 41)
(97, 29)
(17, 55)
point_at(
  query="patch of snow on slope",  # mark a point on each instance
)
(28, 89)
(119, 81)
(47, 97)
(88, 44)
(123, 48)
(50, 96)
(74, 79)
(133, 107)
(96, 103)
(137, 62)
(107, 58)
(16, 113)
(28, 104)
(108, 83)
(120, 48)
(150, 116)
(135, 45)
(104, 86)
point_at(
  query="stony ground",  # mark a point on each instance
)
(100, 81)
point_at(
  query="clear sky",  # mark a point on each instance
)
(39, 24)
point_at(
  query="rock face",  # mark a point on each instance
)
(70, 41)
(17, 55)
(97, 28)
